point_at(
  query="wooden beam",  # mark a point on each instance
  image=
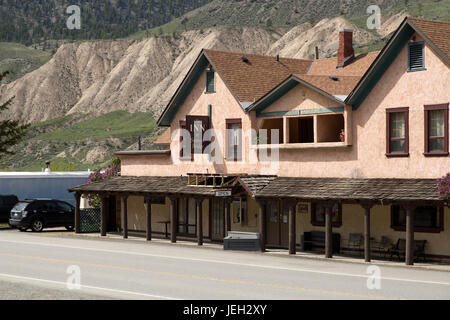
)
(328, 231)
(409, 256)
(103, 224)
(125, 215)
(227, 204)
(262, 224)
(148, 202)
(199, 205)
(77, 224)
(367, 249)
(173, 219)
(292, 227)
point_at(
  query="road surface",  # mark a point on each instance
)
(40, 266)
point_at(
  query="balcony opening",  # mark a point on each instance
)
(330, 128)
(301, 130)
(273, 124)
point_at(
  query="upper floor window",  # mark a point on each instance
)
(397, 132)
(436, 130)
(426, 219)
(234, 139)
(416, 56)
(210, 81)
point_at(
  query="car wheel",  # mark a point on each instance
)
(69, 228)
(37, 225)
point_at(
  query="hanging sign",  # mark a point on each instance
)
(223, 193)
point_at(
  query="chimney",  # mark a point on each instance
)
(345, 53)
(316, 53)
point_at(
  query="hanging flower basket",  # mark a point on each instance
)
(444, 189)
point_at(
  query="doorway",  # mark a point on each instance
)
(217, 220)
(277, 225)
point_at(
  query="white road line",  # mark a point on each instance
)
(11, 276)
(226, 262)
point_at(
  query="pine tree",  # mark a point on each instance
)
(11, 132)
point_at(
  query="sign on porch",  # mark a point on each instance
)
(223, 193)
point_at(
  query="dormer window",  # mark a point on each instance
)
(210, 81)
(416, 56)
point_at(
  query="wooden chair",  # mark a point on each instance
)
(355, 241)
(383, 246)
(400, 249)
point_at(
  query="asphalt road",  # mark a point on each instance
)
(39, 266)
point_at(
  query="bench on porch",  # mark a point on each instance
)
(399, 249)
(313, 239)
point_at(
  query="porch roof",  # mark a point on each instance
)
(339, 189)
(319, 189)
(145, 185)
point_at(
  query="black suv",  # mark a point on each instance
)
(7, 202)
(38, 214)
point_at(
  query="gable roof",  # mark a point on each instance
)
(436, 34)
(247, 81)
(253, 80)
(250, 80)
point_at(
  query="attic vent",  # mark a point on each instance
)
(245, 59)
(334, 78)
(416, 59)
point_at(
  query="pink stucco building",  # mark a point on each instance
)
(354, 147)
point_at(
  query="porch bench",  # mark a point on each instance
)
(399, 249)
(312, 239)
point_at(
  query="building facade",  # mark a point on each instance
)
(349, 148)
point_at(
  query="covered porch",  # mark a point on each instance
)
(194, 207)
(362, 202)
(280, 209)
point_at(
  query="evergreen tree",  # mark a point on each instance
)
(11, 132)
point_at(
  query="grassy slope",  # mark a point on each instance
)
(45, 141)
(289, 13)
(19, 59)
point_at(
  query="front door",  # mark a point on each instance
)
(277, 225)
(217, 220)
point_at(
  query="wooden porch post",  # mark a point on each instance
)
(291, 205)
(103, 224)
(409, 256)
(199, 203)
(262, 224)
(328, 231)
(227, 202)
(77, 212)
(367, 253)
(173, 219)
(125, 215)
(148, 201)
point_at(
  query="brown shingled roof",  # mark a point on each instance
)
(437, 31)
(342, 86)
(307, 189)
(382, 190)
(252, 80)
(327, 67)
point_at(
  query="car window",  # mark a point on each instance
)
(21, 206)
(64, 206)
